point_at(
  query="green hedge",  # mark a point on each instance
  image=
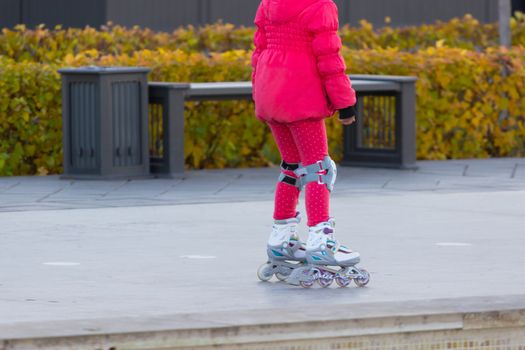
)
(30, 119)
(461, 91)
(461, 95)
(52, 46)
(460, 98)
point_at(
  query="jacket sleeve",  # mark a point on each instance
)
(259, 39)
(324, 26)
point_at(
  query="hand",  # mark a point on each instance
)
(348, 121)
(348, 116)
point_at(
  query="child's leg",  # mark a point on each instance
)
(286, 195)
(311, 141)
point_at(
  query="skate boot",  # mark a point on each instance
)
(327, 260)
(285, 250)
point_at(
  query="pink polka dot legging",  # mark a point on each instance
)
(301, 142)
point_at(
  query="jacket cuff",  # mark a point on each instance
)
(347, 113)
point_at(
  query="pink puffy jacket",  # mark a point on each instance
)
(298, 72)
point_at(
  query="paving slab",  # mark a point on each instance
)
(255, 184)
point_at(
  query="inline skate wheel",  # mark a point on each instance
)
(307, 284)
(265, 272)
(342, 281)
(326, 280)
(281, 277)
(363, 279)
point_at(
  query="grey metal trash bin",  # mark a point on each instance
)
(105, 122)
(385, 135)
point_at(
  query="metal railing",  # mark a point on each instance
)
(384, 136)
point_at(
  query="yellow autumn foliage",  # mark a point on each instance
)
(470, 102)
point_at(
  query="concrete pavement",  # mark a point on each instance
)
(448, 234)
(233, 185)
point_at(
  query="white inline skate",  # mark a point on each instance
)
(285, 251)
(327, 261)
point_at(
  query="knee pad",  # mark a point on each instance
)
(287, 179)
(324, 172)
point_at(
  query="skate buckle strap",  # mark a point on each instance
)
(333, 245)
(344, 249)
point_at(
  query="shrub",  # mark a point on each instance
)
(461, 96)
(52, 46)
(466, 33)
(30, 118)
(462, 92)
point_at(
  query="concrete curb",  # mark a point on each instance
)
(271, 328)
